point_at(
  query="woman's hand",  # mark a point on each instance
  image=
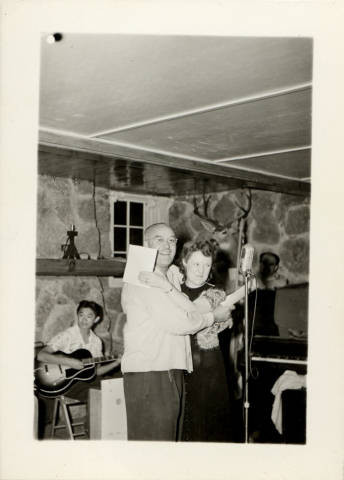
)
(230, 321)
(221, 313)
(153, 279)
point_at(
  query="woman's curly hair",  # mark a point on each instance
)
(204, 246)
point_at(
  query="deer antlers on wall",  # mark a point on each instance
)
(213, 225)
(205, 216)
(246, 210)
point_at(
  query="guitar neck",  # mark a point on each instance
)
(94, 360)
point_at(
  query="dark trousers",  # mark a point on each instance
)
(154, 404)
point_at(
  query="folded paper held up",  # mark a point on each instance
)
(139, 259)
(236, 296)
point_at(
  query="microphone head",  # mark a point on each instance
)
(246, 258)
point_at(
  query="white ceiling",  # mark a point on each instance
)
(242, 103)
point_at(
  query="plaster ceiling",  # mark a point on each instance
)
(182, 102)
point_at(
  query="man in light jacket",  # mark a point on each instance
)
(157, 346)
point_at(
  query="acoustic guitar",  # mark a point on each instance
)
(52, 379)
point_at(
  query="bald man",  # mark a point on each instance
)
(157, 346)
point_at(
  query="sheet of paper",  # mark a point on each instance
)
(139, 259)
(234, 297)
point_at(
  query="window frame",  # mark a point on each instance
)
(155, 209)
(127, 226)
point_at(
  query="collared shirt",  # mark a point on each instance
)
(156, 333)
(71, 339)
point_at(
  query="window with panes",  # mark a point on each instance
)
(128, 226)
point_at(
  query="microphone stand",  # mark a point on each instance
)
(246, 274)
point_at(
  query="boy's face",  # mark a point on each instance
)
(86, 318)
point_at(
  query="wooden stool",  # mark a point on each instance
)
(62, 405)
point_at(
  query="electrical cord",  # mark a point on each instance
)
(254, 376)
(65, 246)
(95, 217)
(109, 330)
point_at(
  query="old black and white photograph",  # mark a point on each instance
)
(213, 173)
(175, 196)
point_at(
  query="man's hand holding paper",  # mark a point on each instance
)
(139, 259)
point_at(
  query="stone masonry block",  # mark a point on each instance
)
(84, 187)
(266, 230)
(76, 288)
(294, 255)
(113, 298)
(286, 202)
(297, 220)
(262, 204)
(61, 317)
(86, 209)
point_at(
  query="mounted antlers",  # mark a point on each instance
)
(227, 236)
(209, 223)
(246, 210)
(213, 225)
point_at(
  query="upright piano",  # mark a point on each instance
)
(290, 347)
(282, 353)
(271, 355)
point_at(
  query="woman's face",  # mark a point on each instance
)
(197, 269)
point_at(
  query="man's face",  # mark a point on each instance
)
(164, 240)
(86, 318)
(268, 266)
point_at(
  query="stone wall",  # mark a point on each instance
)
(277, 222)
(61, 203)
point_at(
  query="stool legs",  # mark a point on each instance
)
(55, 416)
(67, 418)
(61, 405)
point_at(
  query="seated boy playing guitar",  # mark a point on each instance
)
(68, 349)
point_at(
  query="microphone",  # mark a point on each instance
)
(246, 259)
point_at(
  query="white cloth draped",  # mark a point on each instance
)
(289, 380)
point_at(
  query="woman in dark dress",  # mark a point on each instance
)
(206, 409)
(207, 401)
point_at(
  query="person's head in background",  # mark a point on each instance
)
(196, 262)
(268, 265)
(88, 313)
(163, 238)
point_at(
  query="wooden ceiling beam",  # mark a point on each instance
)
(263, 154)
(206, 109)
(106, 149)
